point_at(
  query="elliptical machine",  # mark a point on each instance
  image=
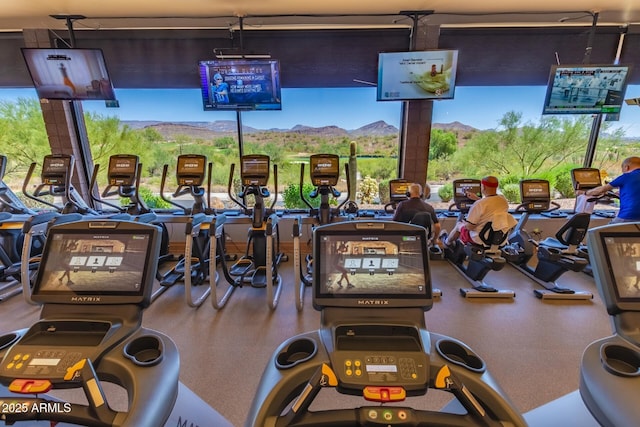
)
(373, 341)
(57, 171)
(193, 267)
(258, 267)
(9, 202)
(324, 171)
(55, 182)
(480, 259)
(555, 256)
(13, 214)
(123, 178)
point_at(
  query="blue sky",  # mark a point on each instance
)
(480, 107)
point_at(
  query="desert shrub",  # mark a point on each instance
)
(446, 192)
(368, 190)
(511, 192)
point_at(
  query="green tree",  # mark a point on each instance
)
(442, 144)
(524, 150)
(23, 136)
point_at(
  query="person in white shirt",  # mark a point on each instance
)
(492, 207)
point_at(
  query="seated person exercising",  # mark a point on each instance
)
(493, 207)
(407, 209)
(629, 185)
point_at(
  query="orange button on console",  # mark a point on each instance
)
(384, 394)
(30, 386)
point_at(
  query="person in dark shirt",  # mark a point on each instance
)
(407, 209)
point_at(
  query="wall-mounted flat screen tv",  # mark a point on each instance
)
(586, 89)
(240, 84)
(69, 74)
(426, 74)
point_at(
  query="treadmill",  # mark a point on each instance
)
(610, 368)
(93, 283)
(373, 342)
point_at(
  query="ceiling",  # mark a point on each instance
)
(334, 43)
(138, 14)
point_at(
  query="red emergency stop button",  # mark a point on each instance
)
(384, 394)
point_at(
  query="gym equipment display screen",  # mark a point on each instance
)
(623, 254)
(55, 169)
(254, 169)
(534, 190)
(240, 84)
(398, 189)
(376, 264)
(614, 251)
(190, 169)
(325, 169)
(586, 89)
(97, 262)
(585, 178)
(69, 74)
(461, 187)
(428, 74)
(123, 170)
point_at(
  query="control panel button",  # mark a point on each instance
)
(384, 394)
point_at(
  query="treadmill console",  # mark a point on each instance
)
(50, 348)
(371, 264)
(374, 265)
(372, 284)
(614, 251)
(379, 355)
(610, 367)
(84, 263)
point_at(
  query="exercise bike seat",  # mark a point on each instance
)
(570, 234)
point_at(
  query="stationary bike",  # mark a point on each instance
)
(480, 259)
(373, 342)
(585, 179)
(555, 256)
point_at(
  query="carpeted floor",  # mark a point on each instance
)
(532, 347)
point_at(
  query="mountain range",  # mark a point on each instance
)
(229, 127)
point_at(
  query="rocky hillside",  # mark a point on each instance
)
(208, 130)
